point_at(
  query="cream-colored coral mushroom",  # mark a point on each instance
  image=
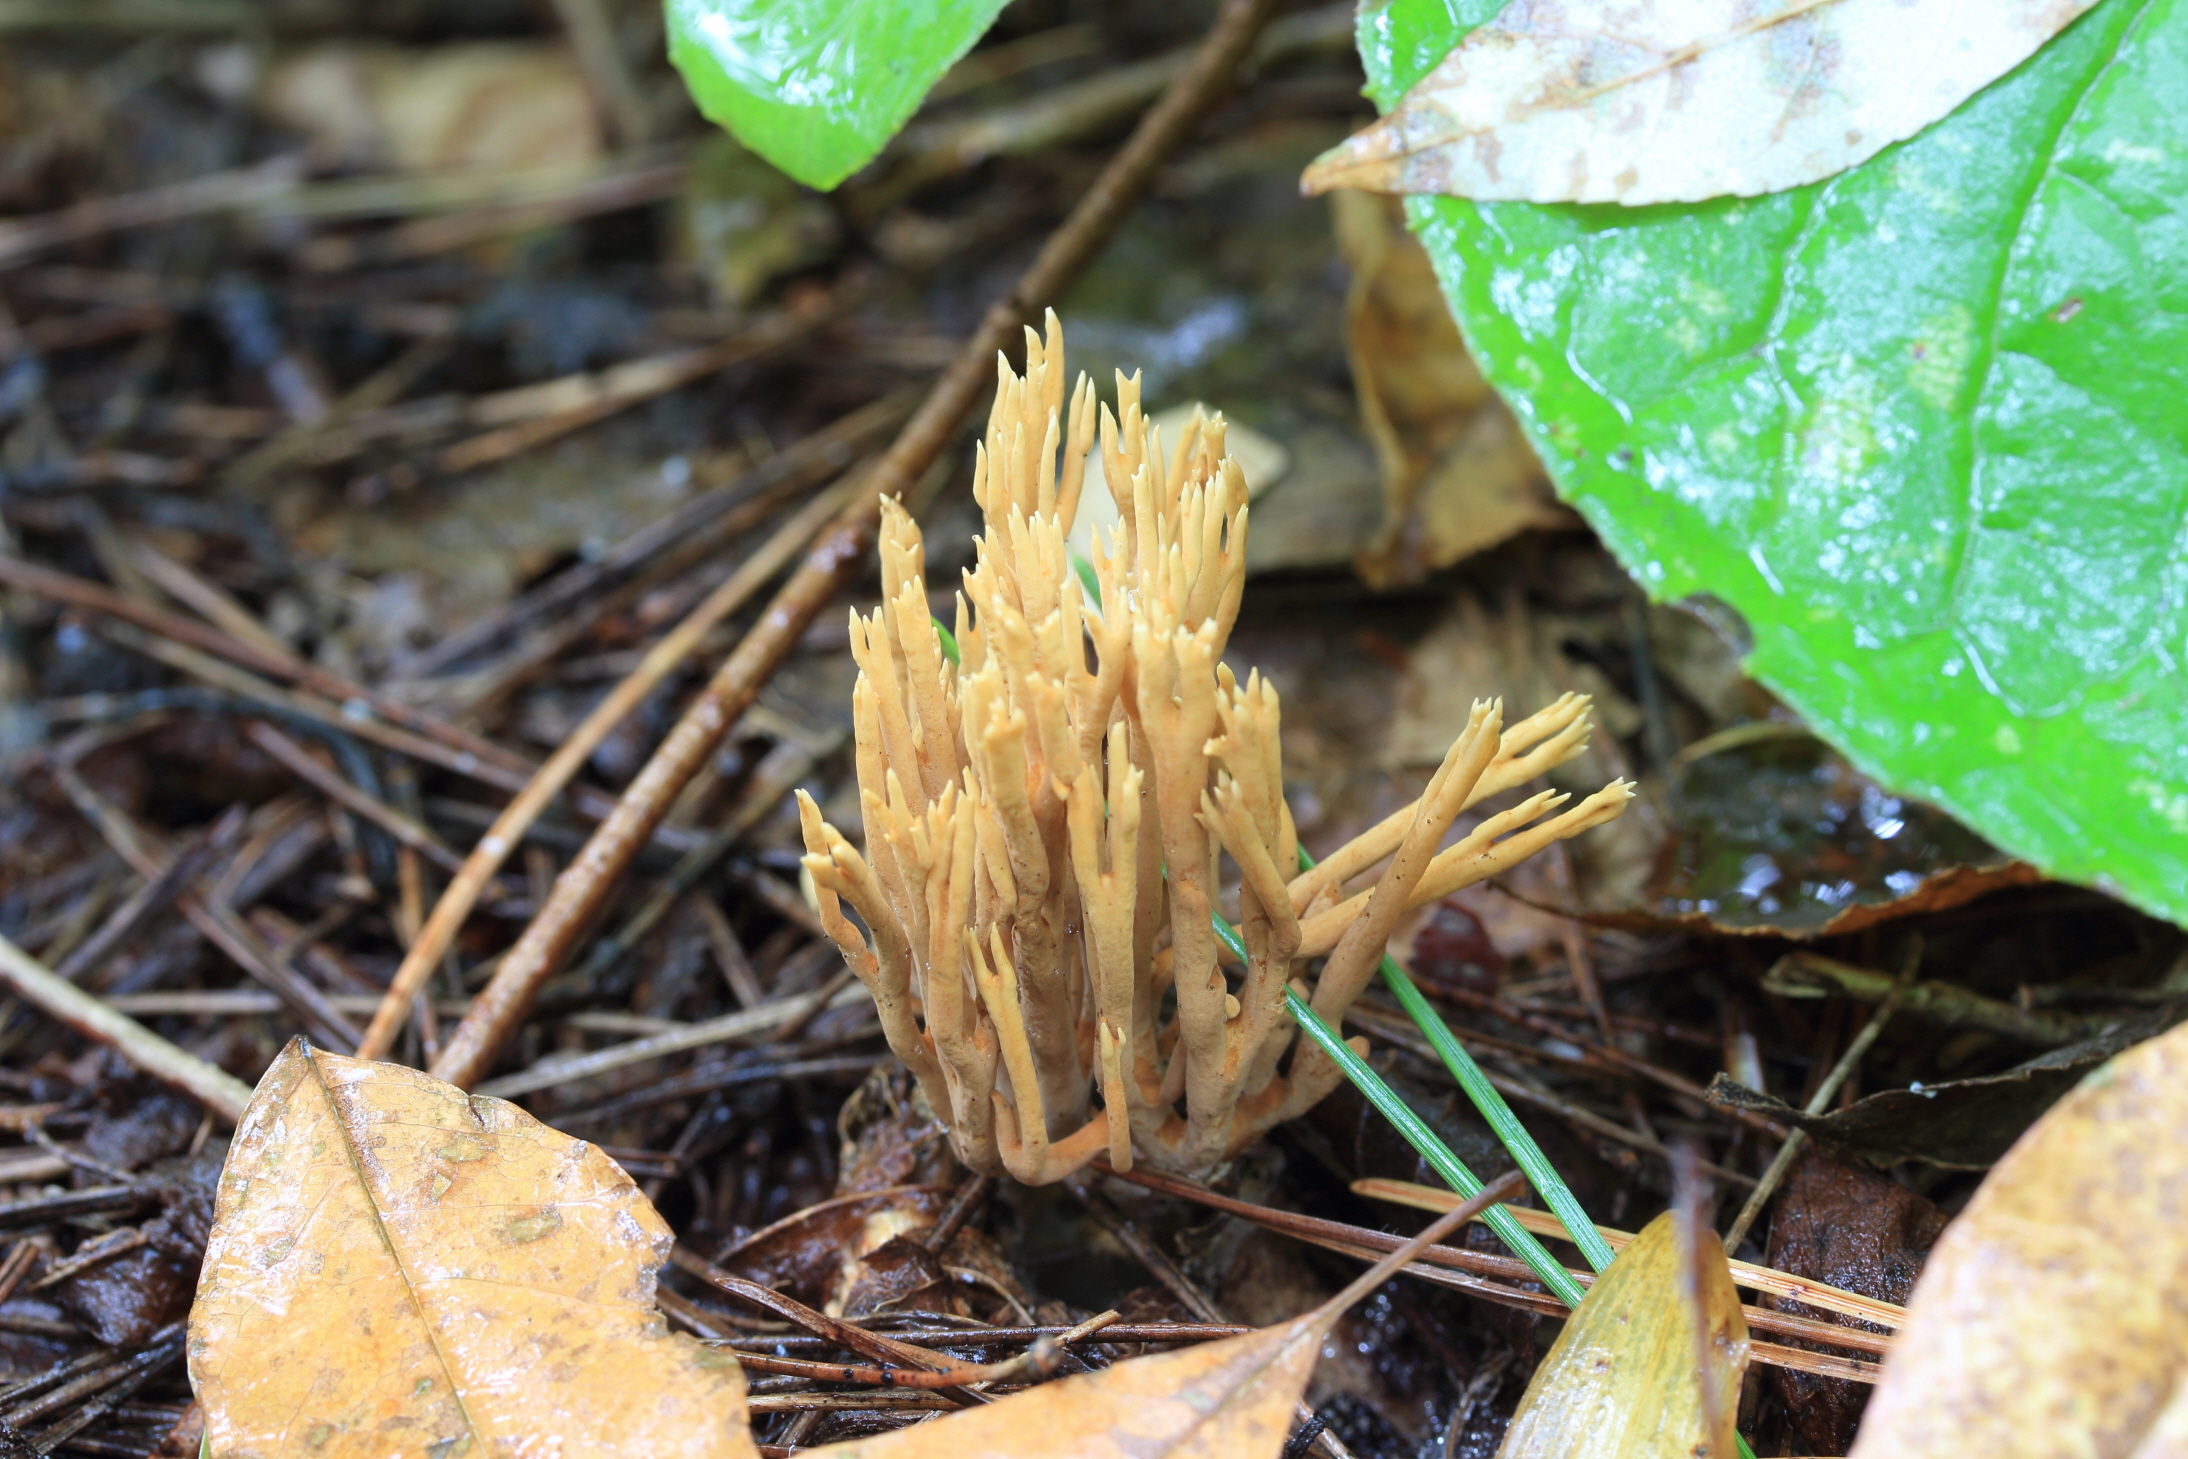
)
(1047, 820)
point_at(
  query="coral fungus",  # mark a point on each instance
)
(1047, 819)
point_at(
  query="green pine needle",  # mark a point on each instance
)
(1510, 1133)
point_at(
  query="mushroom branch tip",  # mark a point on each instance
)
(1051, 813)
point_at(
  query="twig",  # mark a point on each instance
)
(12, 1271)
(795, 467)
(841, 553)
(607, 72)
(216, 922)
(212, 193)
(871, 1344)
(1040, 1360)
(721, 1030)
(335, 788)
(975, 1337)
(217, 1090)
(633, 183)
(125, 921)
(777, 774)
(62, 587)
(596, 397)
(710, 1078)
(1338, 1235)
(1820, 1101)
(1395, 1029)
(963, 1202)
(1195, 1301)
(1745, 1274)
(1609, 1053)
(377, 391)
(486, 858)
(1811, 975)
(209, 912)
(254, 692)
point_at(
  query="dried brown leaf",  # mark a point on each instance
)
(2051, 1318)
(1625, 1378)
(1678, 100)
(1458, 476)
(397, 1267)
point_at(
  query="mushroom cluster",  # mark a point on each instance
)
(1048, 813)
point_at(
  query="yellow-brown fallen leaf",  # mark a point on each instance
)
(1634, 1373)
(1458, 476)
(399, 1269)
(2052, 1318)
(1608, 101)
(1233, 1399)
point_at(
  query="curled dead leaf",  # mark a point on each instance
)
(1634, 1373)
(398, 1267)
(2051, 1319)
(1673, 101)
(1458, 475)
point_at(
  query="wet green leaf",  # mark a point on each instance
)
(818, 86)
(1922, 423)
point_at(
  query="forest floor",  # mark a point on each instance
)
(347, 356)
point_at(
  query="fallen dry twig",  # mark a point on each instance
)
(841, 552)
(222, 1093)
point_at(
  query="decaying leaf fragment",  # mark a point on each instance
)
(2052, 1318)
(398, 1268)
(1672, 101)
(1643, 1369)
(1458, 476)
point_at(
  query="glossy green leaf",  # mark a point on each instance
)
(1925, 424)
(817, 87)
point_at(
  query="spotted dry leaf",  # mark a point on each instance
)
(397, 1268)
(1672, 101)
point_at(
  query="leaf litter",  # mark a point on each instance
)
(1227, 285)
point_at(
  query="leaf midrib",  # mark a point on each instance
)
(387, 1239)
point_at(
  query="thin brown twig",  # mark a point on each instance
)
(98, 598)
(634, 382)
(1197, 1302)
(1744, 1274)
(298, 760)
(125, 921)
(493, 848)
(976, 1337)
(1820, 1101)
(214, 920)
(1339, 1235)
(210, 193)
(34, 983)
(841, 553)
(795, 467)
(885, 1350)
(1609, 1053)
(1040, 1360)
